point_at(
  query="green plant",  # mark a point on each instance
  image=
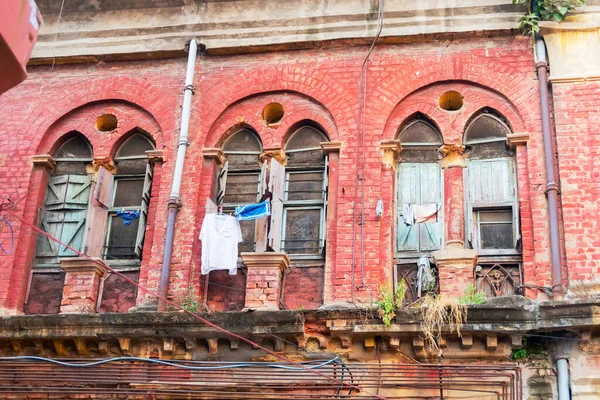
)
(190, 302)
(545, 10)
(471, 296)
(390, 301)
(530, 349)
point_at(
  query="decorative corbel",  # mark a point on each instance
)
(390, 152)
(215, 154)
(106, 162)
(44, 160)
(453, 155)
(331, 147)
(273, 152)
(517, 139)
(155, 156)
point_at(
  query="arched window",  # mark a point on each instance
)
(305, 194)
(67, 198)
(419, 197)
(240, 179)
(128, 208)
(492, 202)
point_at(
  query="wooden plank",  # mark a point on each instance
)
(104, 187)
(277, 188)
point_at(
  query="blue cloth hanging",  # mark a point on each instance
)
(253, 211)
(128, 216)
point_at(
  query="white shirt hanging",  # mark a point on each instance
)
(220, 235)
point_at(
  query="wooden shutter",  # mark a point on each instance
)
(419, 184)
(221, 183)
(64, 217)
(492, 183)
(261, 224)
(277, 187)
(104, 187)
(139, 242)
(431, 233)
(407, 184)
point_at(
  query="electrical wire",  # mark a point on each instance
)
(362, 94)
(3, 223)
(194, 315)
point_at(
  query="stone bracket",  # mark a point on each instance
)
(44, 160)
(453, 156)
(390, 152)
(214, 154)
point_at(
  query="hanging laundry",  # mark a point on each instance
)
(408, 214)
(128, 216)
(253, 211)
(220, 235)
(425, 213)
(425, 276)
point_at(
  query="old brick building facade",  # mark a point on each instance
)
(450, 116)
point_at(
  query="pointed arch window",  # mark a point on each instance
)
(65, 207)
(240, 180)
(305, 194)
(128, 208)
(419, 186)
(492, 201)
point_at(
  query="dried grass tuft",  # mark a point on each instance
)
(439, 313)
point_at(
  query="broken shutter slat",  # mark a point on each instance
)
(222, 183)
(139, 241)
(261, 224)
(431, 233)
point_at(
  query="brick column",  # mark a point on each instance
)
(264, 279)
(82, 283)
(456, 264)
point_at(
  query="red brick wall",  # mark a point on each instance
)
(304, 288)
(318, 85)
(225, 292)
(577, 119)
(118, 294)
(45, 294)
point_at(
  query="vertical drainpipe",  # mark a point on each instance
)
(551, 182)
(175, 200)
(562, 368)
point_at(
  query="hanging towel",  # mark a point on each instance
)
(253, 211)
(128, 216)
(425, 213)
(425, 277)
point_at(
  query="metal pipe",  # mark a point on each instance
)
(175, 200)
(551, 182)
(562, 368)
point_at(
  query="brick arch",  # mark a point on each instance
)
(156, 102)
(297, 108)
(321, 87)
(486, 72)
(451, 124)
(83, 119)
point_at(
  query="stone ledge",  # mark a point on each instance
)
(81, 265)
(266, 260)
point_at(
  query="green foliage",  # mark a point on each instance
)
(471, 296)
(530, 349)
(390, 301)
(189, 302)
(545, 10)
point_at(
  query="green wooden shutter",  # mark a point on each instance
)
(408, 191)
(64, 217)
(431, 233)
(419, 184)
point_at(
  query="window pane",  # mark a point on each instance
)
(132, 167)
(243, 140)
(128, 193)
(496, 229)
(305, 186)
(495, 216)
(302, 228)
(136, 145)
(420, 132)
(247, 228)
(121, 239)
(486, 127)
(76, 147)
(241, 188)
